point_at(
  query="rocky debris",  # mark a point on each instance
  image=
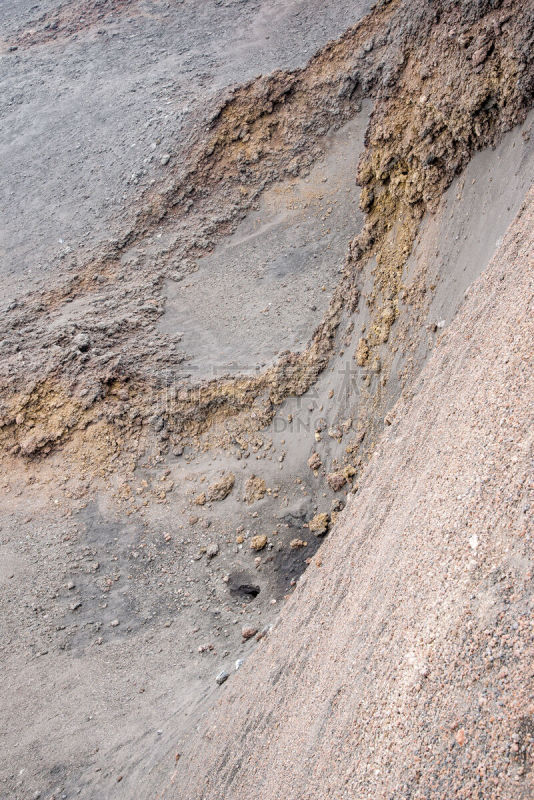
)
(200, 499)
(221, 489)
(255, 489)
(349, 472)
(319, 524)
(68, 21)
(296, 543)
(258, 542)
(212, 550)
(314, 462)
(336, 481)
(82, 341)
(362, 352)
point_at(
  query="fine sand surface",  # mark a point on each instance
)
(268, 285)
(402, 667)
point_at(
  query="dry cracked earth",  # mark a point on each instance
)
(265, 352)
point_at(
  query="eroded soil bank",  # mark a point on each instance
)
(402, 665)
(187, 409)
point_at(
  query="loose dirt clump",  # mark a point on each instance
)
(319, 524)
(258, 542)
(255, 489)
(221, 489)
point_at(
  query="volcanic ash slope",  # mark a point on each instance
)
(402, 665)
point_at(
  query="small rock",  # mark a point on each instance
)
(362, 352)
(114, 623)
(258, 542)
(82, 342)
(212, 550)
(314, 461)
(335, 433)
(221, 489)
(165, 158)
(222, 677)
(248, 632)
(319, 524)
(336, 481)
(296, 543)
(460, 737)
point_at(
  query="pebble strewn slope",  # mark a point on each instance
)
(402, 666)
